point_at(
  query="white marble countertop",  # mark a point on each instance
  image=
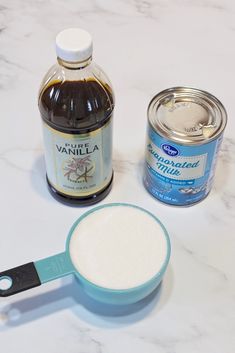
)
(144, 46)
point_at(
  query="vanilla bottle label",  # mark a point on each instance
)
(78, 164)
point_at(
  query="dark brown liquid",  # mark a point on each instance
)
(77, 107)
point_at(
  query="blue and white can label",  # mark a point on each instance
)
(179, 174)
(185, 129)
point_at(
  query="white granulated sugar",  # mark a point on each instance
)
(118, 247)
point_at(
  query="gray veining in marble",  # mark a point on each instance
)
(144, 46)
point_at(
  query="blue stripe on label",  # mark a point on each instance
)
(169, 180)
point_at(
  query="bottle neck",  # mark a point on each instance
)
(74, 65)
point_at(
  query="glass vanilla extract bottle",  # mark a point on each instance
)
(76, 103)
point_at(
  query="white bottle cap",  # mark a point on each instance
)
(74, 45)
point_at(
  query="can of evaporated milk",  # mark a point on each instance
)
(185, 130)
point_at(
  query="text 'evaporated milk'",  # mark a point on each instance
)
(185, 127)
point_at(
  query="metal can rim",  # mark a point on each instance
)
(195, 92)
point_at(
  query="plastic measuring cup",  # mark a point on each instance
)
(39, 272)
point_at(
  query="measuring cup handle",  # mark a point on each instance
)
(19, 279)
(54, 267)
(36, 273)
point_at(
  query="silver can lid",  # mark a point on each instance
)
(187, 115)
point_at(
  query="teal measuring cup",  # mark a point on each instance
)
(34, 274)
